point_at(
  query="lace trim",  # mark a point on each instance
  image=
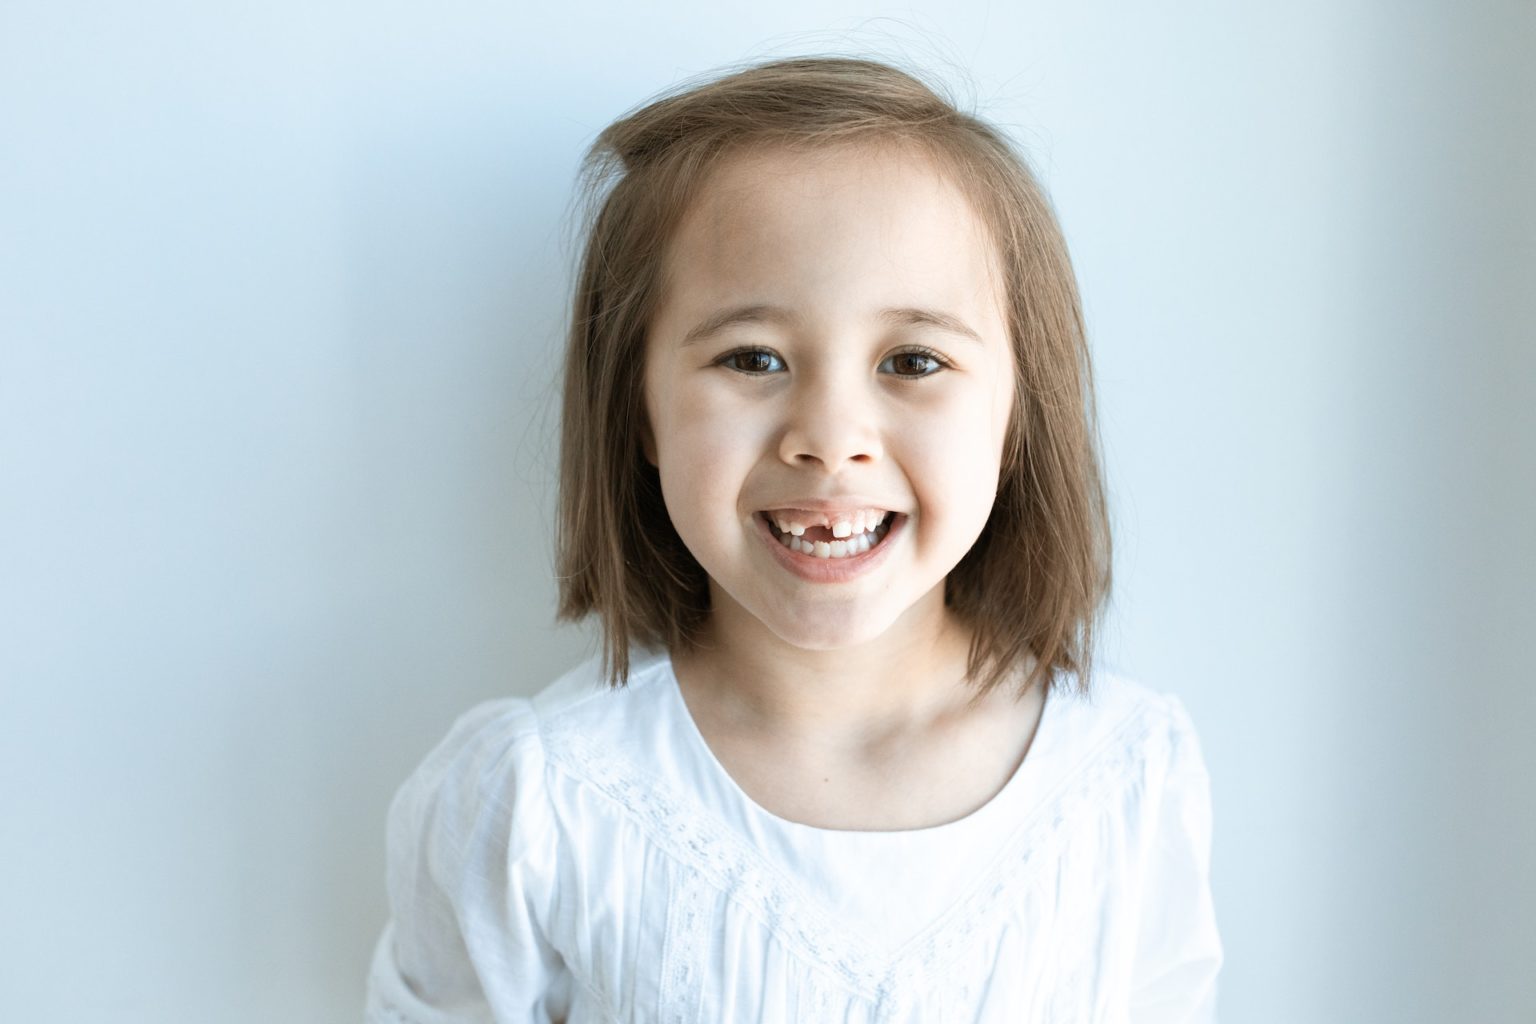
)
(693, 836)
(689, 921)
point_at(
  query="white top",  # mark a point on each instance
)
(582, 856)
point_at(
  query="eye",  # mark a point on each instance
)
(751, 361)
(917, 362)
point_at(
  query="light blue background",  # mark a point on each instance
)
(281, 290)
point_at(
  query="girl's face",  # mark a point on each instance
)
(831, 347)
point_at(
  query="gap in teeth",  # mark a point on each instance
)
(854, 544)
(863, 521)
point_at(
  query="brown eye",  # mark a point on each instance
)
(753, 361)
(913, 364)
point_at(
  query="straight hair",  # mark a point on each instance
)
(1032, 587)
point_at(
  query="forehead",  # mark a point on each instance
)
(858, 223)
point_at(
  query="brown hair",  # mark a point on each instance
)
(1033, 585)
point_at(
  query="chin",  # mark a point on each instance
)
(824, 634)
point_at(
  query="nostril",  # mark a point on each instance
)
(834, 431)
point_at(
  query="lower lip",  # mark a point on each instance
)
(830, 570)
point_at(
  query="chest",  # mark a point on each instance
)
(672, 914)
(902, 792)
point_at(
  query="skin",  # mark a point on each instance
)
(841, 705)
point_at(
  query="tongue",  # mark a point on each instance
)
(821, 533)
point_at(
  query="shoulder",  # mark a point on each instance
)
(1134, 780)
(519, 728)
(1151, 819)
(1147, 732)
(498, 755)
(474, 781)
(486, 771)
(580, 715)
(582, 699)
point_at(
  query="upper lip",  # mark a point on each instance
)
(828, 505)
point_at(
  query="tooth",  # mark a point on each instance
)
(842, 529)
(783, 527)
(863, 543)
(796, 529)
(839, 549)
(786, 540)
(822, 549)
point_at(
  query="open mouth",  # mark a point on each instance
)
(846, 537)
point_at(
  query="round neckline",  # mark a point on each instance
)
(1018, 786)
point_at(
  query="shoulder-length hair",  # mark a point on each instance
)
(1033, 585)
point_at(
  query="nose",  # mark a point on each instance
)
(829, 425)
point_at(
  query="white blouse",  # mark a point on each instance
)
(582, 856)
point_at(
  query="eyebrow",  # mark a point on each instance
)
(905, 316)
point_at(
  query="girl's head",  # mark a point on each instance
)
(811, 288)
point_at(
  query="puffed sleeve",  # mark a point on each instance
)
(1179, 950)
(471, 847)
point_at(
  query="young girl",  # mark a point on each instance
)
(829, 482)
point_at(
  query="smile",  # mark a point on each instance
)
(814, 545)
(848, 537)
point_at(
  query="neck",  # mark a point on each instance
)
(907, 679)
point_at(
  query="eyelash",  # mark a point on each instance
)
(918, 350)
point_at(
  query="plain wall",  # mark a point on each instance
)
(282, 287)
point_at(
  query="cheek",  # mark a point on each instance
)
(955, 460)
(702, 428)
(705, 446)
(963, 439)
